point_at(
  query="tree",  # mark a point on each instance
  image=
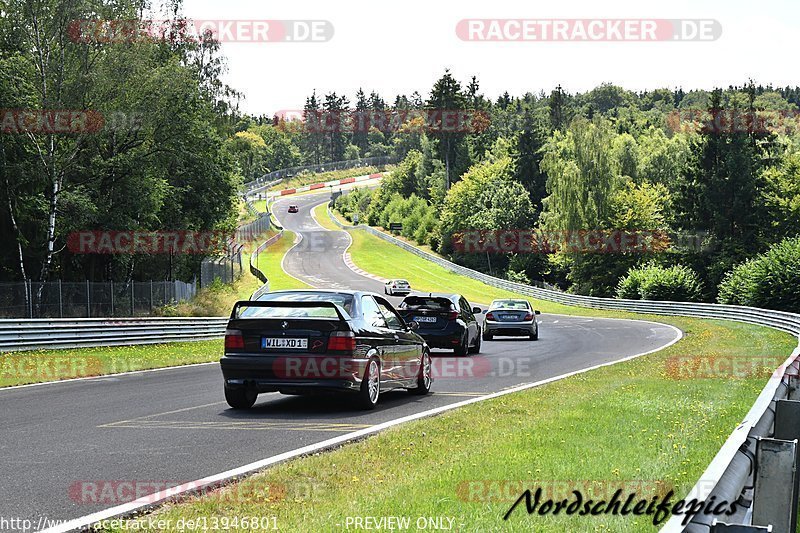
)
(446, 96)
(527, 156)
(582, 176)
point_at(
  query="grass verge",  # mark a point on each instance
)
(22, 368)
(269, 262)
(320, 214)
(635, 426)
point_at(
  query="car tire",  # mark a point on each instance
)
(486, 336)
(424, 379)
(477, 347)
(370, 391)
(534, 336)
(463, 348)
(240, 398)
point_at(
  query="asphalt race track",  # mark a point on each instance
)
(174, 425)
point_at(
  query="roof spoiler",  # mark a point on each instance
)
(342, 314)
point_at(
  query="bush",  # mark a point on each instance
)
(653, 282)
(629, 286)
(771, 280)
(518, 277)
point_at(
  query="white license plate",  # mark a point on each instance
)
(284, 343)
(425, 319)
(509, 317)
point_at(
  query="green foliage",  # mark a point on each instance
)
(770, 280)
(518, 277)
(582, 176)
(654, 282)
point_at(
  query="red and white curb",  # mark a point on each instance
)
(352, 266)
(334, 183)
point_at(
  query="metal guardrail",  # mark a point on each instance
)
(57, 333)
(273, 178)
(734, 470)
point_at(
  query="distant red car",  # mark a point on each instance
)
(293, 209)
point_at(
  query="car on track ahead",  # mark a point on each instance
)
(510, 317)
(395, 287)
(445, 321)
(306, 341)
(293, 209)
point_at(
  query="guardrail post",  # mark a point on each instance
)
(776, 469)
(112, 297)
(60, 301)
(132, 286)
(722, 527)
(787, 427)
(88, 301)
(794, 387)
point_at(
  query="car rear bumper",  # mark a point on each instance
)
(447, 339)
(293, 374)
(509, 328)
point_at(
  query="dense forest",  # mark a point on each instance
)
(172, 150)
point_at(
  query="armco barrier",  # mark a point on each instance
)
(273, 178)
(41, 334)
(732, 472)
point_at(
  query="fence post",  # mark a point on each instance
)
(112, 297)
(132, 289)
(88, 301)
(777, 468)
(151, 295)
(60, 301)
(30, 299)
(787, 427)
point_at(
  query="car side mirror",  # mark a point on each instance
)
(537, 312)
(477, 310)
(412, 326)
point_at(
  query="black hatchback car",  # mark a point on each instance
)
(304, 341)
(445, 321)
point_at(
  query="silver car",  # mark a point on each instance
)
(395, 287)
(510, 318)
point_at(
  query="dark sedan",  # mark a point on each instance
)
(304, 341)
(445, 321)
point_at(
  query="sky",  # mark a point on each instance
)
(399, 47)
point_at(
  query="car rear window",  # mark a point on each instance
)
(510, 304)
(345, 301)
(423, 302)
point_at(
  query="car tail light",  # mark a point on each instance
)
(489, 316)
(343, 341)
(234, 339)
(452, 315)
(528, 317)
